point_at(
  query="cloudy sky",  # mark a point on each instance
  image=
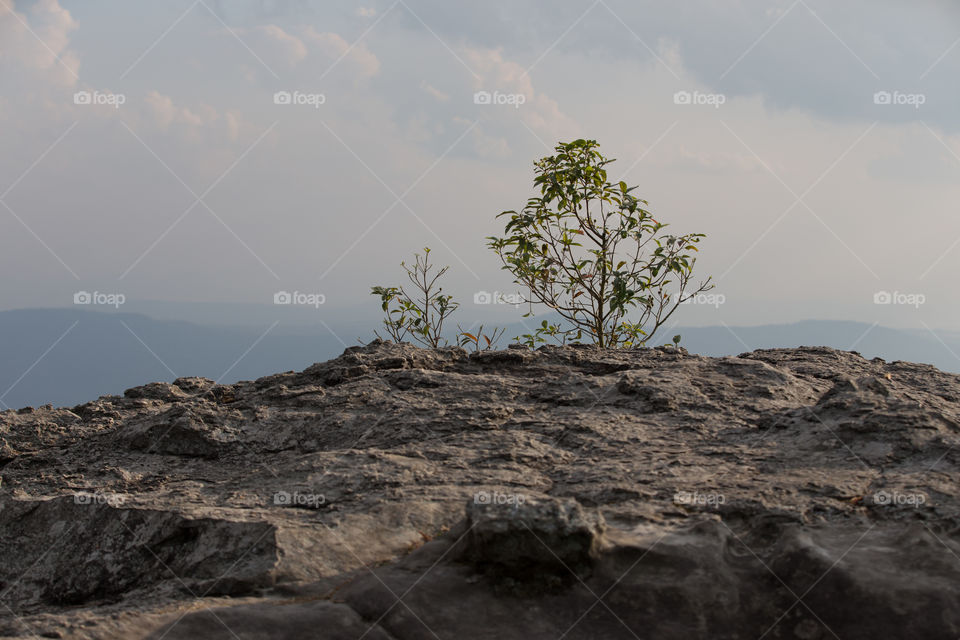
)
(205, 151)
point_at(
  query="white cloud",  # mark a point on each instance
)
(38, 40)
(539, 111)
(196, 122)
(334, 47)
(496, 72)
(275, 44)
(162, 109)
(433, 91)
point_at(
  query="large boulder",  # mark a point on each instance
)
(532, 538)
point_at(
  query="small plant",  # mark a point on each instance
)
(588, 249)
(547, 330)
(420, 316)
(479, 340)
(676, 342)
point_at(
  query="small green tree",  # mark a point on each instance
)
(587, 248)
(421, 315)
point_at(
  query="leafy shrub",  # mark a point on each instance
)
(420, 316)
(588, 249)
(547, 330)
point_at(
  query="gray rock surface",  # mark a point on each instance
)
(570, 492)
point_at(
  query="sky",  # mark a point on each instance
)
(204, 151)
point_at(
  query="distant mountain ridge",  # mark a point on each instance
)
(67, 356)
(913, 345)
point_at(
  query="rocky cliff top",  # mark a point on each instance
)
(396, 492)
